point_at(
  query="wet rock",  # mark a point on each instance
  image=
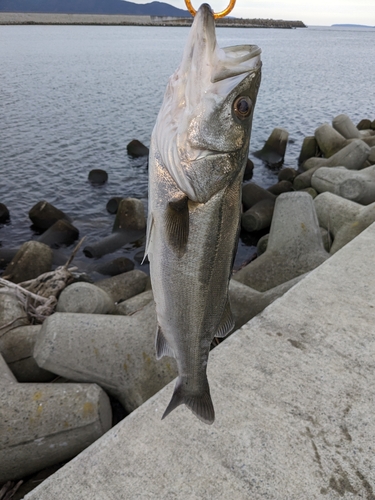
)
(287, 174)
(31, 260)
(85, 298)
(364, 124)
(344, 125)
(129, 226)
(281, 187)
(116, 351)
(113, 204)
(60, 233)
(358, 186)
(344, 219)
(352, 156)
(44, 424)
(4, 214)
(124, 286)
(273, 151)
(252, 194)
(258, 216)
(116, 266)
(249, 170)
(135, 303)
(16, 347)
(98, 176)
(309, 149)
(295, 244)
(329, 140)
(43, 215)
(136, 148)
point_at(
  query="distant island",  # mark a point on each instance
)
(115, 12)
(351, 26)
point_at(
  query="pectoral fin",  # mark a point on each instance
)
(227, 322)
(161, 345)
(177, 224)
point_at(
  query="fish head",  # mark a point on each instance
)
(203, 128)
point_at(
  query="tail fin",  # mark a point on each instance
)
(200, 404)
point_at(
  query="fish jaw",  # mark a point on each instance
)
(198, 120)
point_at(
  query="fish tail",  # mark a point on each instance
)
(200, 404)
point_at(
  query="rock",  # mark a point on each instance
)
(329, 140)
(309, 149)
(295, 245)
(116, 266)
(281, 187)
(85, 298)
(344, 125)
(343, 218)
(249, 169)
(60, 233)
(273, 151)
(134, 304)
(129, 226)
(252, 194)
(113, 203)
(116, 352)
(31, 260)
(352, 156)
(6, 376)
(259, 216)
(44, 424)
(364, 124)
(4, 214)
(287, 174)
(43, 215)
(11, 311)
(358, 186)
(16, 347)
(136, 148)
(124, 286)
(98, 176)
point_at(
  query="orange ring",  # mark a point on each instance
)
(223, 13)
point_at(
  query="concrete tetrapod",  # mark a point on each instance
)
(44, 424)
(295, 244)
(345, 219)
(358, 186)
(328, 139)
(116, 352)
(344, 126)
(293, 392)
(353, 156)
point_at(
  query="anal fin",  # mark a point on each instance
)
(226, 323)
(177, 224)
(161, 345)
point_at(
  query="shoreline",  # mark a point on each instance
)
(16, 18)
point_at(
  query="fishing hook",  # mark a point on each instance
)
(217, 15)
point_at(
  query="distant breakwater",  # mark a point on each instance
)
(10, 18)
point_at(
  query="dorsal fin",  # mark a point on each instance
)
(226, 323)
(177, 224)
(161, 345)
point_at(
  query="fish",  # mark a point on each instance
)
(198, 152)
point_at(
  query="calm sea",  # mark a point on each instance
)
(72, 97)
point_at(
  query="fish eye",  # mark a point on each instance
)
(243, 106)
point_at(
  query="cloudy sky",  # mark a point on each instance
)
(317, 12)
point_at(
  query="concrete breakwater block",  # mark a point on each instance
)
(353, 156)
(116, 352)
(329, 140)
(253, 194)
(125, 285)
(17, 347)
(344, 219)
(293, 392)
(344, 126)
(273, 151)
(259, 216)
(358, 186)
(135, 303)
(12, 313)
(6, 375)
(31, 260)
(85, 298)
(43, 215)
(44, 424)
(294, 247)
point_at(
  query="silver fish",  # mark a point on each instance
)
(199, 148)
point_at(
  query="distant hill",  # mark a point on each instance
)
(344, 25)
(92, 7)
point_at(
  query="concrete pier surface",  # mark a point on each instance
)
(294, 394)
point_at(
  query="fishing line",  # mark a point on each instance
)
(217, 15)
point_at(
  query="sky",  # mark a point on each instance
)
(316, 12)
